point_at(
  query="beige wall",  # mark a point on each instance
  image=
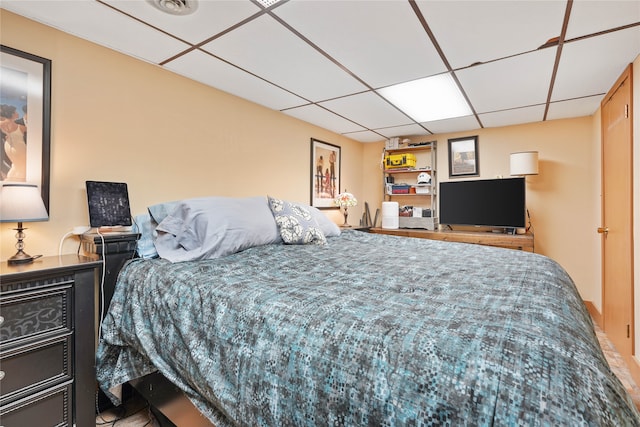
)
(563, 199)
(115, 118)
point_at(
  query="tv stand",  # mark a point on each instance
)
(522, 242)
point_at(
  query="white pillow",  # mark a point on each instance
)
(328, 227)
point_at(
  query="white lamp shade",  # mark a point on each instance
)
(21, 203)
(524, 163)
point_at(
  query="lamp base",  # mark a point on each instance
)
(22, 258)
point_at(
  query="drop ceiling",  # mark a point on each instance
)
(323, 61)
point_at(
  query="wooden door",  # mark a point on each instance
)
(617, 208)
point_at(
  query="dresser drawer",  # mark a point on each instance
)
(34, 312)
(51, 407)
(29, 368)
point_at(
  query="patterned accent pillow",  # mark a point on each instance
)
(296, 223)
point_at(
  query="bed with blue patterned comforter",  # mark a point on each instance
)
(370, 330)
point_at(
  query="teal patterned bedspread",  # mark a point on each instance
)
(369, 329)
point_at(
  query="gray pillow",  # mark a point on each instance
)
(213, 227)
(328, 227)
(161, 210)
(296, 224)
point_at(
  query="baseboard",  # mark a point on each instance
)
(595, 314)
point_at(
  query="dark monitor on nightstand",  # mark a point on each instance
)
(108, 204)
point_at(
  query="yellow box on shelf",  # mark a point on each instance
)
(400, 160)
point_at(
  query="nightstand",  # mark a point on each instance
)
(47, 341)
(117, 248)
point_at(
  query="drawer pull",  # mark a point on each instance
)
(1, 377)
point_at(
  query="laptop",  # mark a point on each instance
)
(109, 206)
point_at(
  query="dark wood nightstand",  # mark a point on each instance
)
(117, 248)
(47, 341)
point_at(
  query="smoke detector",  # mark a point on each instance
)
(175, 7)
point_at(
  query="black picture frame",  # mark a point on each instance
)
(325, 174)
(18, 71)
(463, 157)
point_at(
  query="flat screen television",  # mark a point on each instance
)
(496, 203)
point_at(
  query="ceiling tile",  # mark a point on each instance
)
(407, 130)
(456, 124)
(574, 107)
(479, 31)
(204, 68)
(373, 44)
(368, 110)
(591, 66)
(588, 17)
(512, 117)
(96, 22)
(210, 18)
(380, 41)
(265, 47)
(365, 136)
(323, 118)
(512, 82)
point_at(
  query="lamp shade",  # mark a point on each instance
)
(21, 203)
(524, 163)
(345, 200)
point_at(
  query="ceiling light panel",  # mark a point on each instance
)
(432, 98)
(509, 83)
(382, 42)
(208, 70)
(480, 31)
(212, 17)
(266, 48)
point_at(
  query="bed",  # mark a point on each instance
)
(351, 328)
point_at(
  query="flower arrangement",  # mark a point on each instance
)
(344, 201)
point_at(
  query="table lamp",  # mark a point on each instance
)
(524, 163)
(345, 200)
(21, 203)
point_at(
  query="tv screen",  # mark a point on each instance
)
(485, 202)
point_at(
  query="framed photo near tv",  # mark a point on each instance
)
(325, 174)
(463, 157)
(25, 119)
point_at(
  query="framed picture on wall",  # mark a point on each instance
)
(463, 157)
(325, 174)
(25, 119)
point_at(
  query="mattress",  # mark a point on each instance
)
(366, 330)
